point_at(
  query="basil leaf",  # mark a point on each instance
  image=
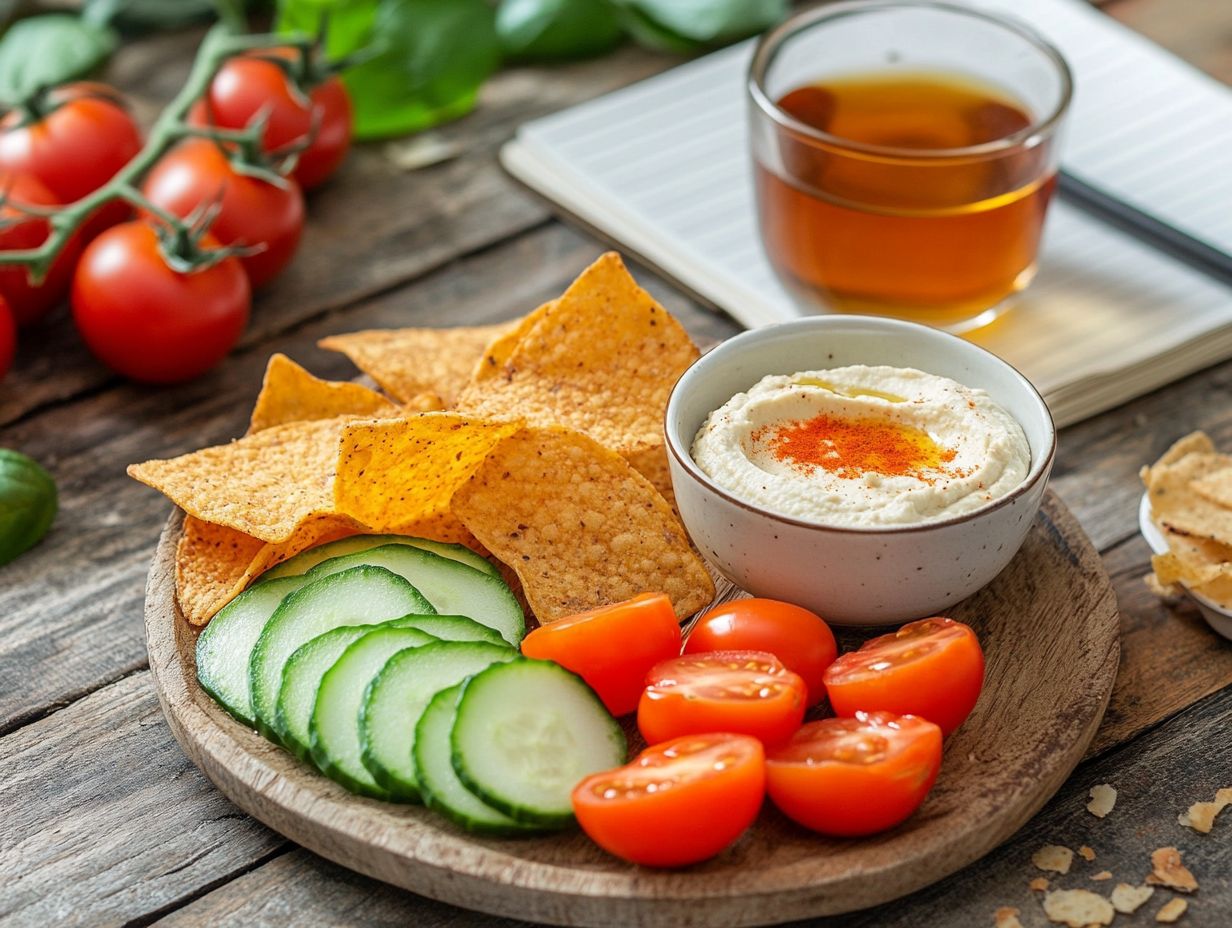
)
(43, 51)
(349, 22)
(557, 28)
(433, 57)
(27, 503)
(689, 25)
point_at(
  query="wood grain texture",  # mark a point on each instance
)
(1050, 631)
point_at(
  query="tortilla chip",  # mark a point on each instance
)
(1078, 908)
(1103, 799)
(291, 394)
(1193, 443)
(407, 362)
(1201, 815)
(1087, 853)
(1127, 899)
(1006, 917)
(264, 485)
(496, 356)
(579, 526)
(1054, 858)
(602, 360)
(1176, 503)
(398, 475)
(1102, 875)
(210, 564)
(1171, 911)
(1038, 885)
(424, 402)
(1167, 870)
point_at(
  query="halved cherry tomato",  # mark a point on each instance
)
(933, 668)
(253, 212)
(797, 637)
(676, 803)
(612, 647)
(745, 692)
(856, 776)
(19, 231)
(8, 338)
(251, 84)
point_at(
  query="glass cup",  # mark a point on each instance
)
(905, 153)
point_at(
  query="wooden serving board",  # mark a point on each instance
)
(1049, 626)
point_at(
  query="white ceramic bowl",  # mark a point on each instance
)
(853, 576)
(1216, 616)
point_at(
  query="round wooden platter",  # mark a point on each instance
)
(1049, 627)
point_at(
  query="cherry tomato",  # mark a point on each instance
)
(251, 84)
(676, 803)
(797, 637)
(933, 668)
(254, 211)
(612, 647)
(745, 692)
(148, 321)
(856, 776)
(8, 338)
(27, 301)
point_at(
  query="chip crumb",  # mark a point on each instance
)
(1039, 884)
(1127, 899)
(1053, 857)
(1102, 875)
(1006, 917)
(1169, 871)
(1201, 815)
(1103, 799)
(1171, 910)
(1086, 852)
(1078, 908)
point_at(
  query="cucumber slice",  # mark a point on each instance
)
(526, 733)
(452, 588)
(226, 644)
(335, 714)
(397, 696)
(452, 628)
(360, 596)
(306, 560)
(439, 784)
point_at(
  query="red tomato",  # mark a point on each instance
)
(254, 211)
(148, 321)
(932, 668)
(746, 692)
(856, 776)
(8, 338)
(78, 146)
(27, 301)
(612, 647)
(250, 84)
(675, 803)
(797, 637)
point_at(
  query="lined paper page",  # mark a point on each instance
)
(662, 168)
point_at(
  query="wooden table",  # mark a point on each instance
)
(102, 819)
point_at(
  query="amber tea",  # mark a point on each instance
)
(915, 199)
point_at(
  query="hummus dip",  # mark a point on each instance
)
(863, 447)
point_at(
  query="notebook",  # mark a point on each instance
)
(661, 169)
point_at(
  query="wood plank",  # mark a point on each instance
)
(372, 228)
(105, 819)
(70, 609)
(1157, 777)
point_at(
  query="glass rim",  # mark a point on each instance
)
(770, 43)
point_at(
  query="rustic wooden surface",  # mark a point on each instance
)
(104, 821)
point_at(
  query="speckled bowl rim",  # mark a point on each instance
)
(834, 325)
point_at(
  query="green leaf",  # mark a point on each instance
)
(43, 51)
(434, 56)
(349, 22)
(27, 503)
(689, 25)
(138, 16)
(557, 28)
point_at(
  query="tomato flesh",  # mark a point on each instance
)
(797, 637)
(855, 776)
(745, 692)
(611, 647)
(676, 803)
(933, 668)
(29, 301)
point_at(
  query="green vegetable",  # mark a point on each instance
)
(43, 51)
(145, 15)
(557, 28)
(684, 26)
(27, 504)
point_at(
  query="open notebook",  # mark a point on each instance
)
(661, 168)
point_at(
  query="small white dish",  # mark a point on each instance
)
(1217, 617)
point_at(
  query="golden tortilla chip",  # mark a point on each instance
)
(496, 356)
(579, 526)
(1102, 875)
(1103, 799)
(1177, 505)
(602, 360)
(1167, 870)
(264, 485)
(1216, 487)
(1171, 911)
(1054, 858)
(1006, 917)
(424, 402)
(1201, 815)
(1086, 852)
(1127, 899)
(1078, 908)
(1193, 443)
(291, 394)
(407, 362)
(399, 475)
(1038, 885)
